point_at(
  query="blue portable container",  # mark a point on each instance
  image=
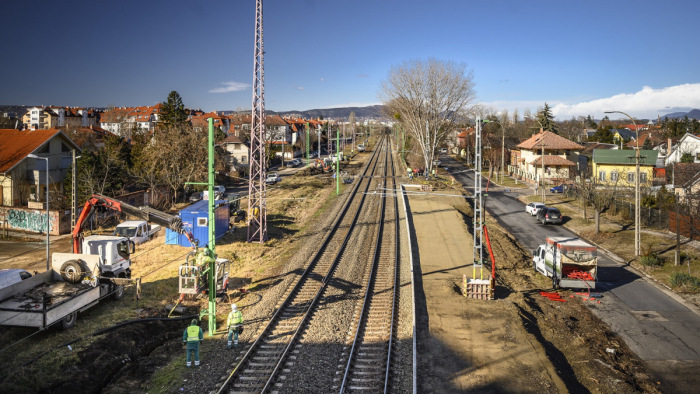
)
(195, 218)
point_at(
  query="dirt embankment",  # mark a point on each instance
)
(521, 341)
(585, 353)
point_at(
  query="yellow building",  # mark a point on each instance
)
(618, 167)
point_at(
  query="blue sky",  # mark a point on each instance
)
(580, 57)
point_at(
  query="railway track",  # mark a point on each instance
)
(368, 360)
(257, 370)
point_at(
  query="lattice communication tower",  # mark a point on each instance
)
(257, 193)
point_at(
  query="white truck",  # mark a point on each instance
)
(570, 262)
(99, 266)
(76, 282)
(139, 231)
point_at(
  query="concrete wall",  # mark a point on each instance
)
(34, 220)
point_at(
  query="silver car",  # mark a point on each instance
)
(533, 207)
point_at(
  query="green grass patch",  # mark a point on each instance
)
(685, 282)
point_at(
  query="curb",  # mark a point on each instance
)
(646, 277)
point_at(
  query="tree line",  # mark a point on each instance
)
(162, 160)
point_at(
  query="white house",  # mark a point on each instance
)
(688, 144)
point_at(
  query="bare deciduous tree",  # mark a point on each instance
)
(599, 194)
(427, 97)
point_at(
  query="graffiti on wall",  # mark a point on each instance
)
(32, 221)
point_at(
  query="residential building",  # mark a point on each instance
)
(547, 158)
(123, 121)
(618, 167)
(238, 152)
(221, 121)
(689, 144)
(23, 179)
(622, 135)
(686, 181)
(52, 117)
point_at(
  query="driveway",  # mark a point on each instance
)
(656, 324)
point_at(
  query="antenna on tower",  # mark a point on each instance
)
(257, 193)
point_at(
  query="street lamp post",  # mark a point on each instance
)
(33, 156)
(637, 209)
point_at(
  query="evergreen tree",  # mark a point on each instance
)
(603, 134)
(590, 122)
(173, 111)
(547, 119)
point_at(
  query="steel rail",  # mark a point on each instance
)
(363, 324)
(304, 279)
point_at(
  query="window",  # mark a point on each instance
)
(601, 176)
(201, 222)
(630, 177)
(613, 176)
(643, 177)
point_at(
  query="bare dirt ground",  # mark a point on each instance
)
(519, 342)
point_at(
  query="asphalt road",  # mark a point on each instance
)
(656, 324)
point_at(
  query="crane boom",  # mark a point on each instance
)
(146, 213)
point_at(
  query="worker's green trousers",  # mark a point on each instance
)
(193, 347)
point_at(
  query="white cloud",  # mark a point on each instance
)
(323, 79)
(230, 86)
(300, 88)
(646, 103)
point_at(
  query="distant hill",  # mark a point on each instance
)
(371, 112)
(692, 114)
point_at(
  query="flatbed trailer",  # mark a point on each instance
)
(46, 299)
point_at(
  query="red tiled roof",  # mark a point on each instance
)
(550, 141)
(552, 160)
(15, 145)
(274, 120)
(232, 139)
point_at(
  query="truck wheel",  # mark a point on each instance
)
(72, 271)
(118, 292)
(69, 321)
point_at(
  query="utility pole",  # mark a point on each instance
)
(257, 191)
(212, 234)
(337, 163)
(318, 133)
(307, 145)
(637, 208)
(74, 193)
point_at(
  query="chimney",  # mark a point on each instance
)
(668, 147)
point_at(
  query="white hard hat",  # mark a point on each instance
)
(234, 307)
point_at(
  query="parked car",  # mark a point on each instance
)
(443, 150)
(272, 178)
(557, 189)
(196, 196)
(295, 162)
(549, 215)
(361, 148)
(533, 207)
(12, 275)
(138, 231)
